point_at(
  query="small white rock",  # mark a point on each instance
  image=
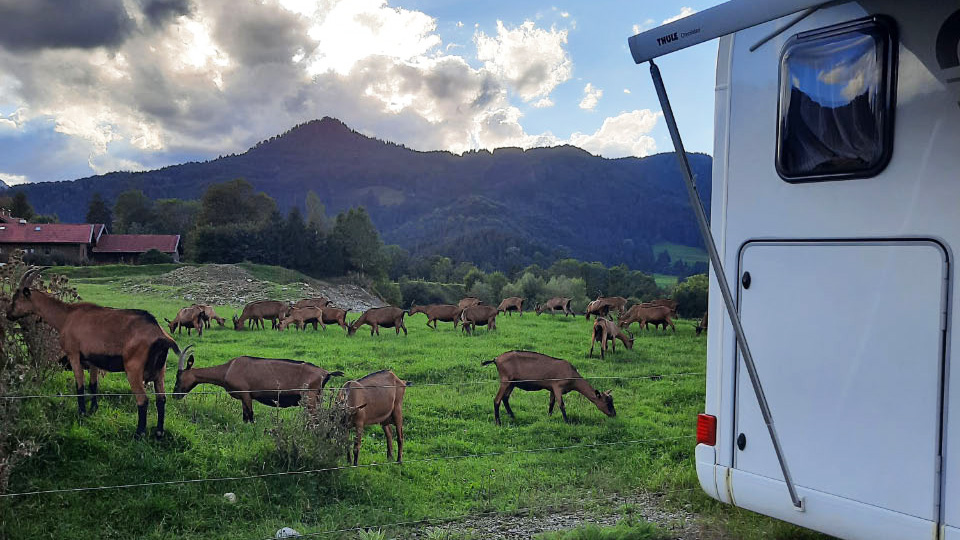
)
(230, 497)
(286, 532)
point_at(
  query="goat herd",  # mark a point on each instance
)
(96, 338)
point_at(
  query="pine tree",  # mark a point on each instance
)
(20, 206)
(99, 212)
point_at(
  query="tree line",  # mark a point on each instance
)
(232, 222)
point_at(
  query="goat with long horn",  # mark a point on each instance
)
(108, 339)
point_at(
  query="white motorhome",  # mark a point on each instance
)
(836, 216)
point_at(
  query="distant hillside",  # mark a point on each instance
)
(555, 201)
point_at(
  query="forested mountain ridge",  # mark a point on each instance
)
(537, 204)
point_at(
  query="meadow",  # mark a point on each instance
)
(456, 461)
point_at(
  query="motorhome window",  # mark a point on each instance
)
(836, 102)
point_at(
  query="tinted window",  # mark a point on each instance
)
(836, 102)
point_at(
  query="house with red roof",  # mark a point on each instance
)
(80, 243)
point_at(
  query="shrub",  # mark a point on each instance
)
(389, 291)
(29, 351)
(691, 296)
(528, 286)
(572, 288)
(45, 259)
(155, 256)
(483, 291)
(427, 292)
(311, 440)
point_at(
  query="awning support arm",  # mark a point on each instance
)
(722, 279)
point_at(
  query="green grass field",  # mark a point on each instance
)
(647, 447)
(687, 254)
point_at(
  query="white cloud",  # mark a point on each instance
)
(626, 90)
(564, 14)
(13, 179)
(591, 96)
(684, 12)
(531, 60)
(222, 76)
(626, 134)
(646, 25)
(459, 24)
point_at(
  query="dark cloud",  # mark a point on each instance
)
(261, 33)
(61, 24)
(159, 12)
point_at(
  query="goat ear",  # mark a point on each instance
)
(26, 292)
(190, 362)
(598, 393)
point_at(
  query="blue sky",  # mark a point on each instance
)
(110, 85)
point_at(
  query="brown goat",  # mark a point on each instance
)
(481, 315)
(256, 312)
(702, 325)
(666, 302)
(509, 305)
(301, 317)
(645, 314)
(438, 312)
(332, 315)
(375, 399)
(275, 382)
(557, 303)
(469, 301)
(533, 371)
(312, 302)
(128, 340)
(597, 308)
(605, 331)
(387, 317)
(210, 313)
(617, 303)
(188, 317)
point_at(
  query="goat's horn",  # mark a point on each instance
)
(31, 274)
(183, 357)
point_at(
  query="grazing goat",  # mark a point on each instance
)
(469, 301)
(210, 314)
(646, 313)
(605, 331)
(375, 399)
(301, 317)
(439, 312)
(666, 302)
(128, 340)
(533, 371)
(557, 303)
(481, 315)
(509, 305)
(256, 312)
(387, 317)
(617, 303)
(702, 325)
(598, 309)
(275, 382)
(332, 315)
(188, 317)
(312, 302)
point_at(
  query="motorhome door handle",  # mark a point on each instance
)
(741, 441)
(745, 280)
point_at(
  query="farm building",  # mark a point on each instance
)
(79, 243)
(127, 248)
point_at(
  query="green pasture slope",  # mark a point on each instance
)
(447, 413)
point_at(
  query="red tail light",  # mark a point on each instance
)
(707, 429)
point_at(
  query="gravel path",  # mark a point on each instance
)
(679, 523)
